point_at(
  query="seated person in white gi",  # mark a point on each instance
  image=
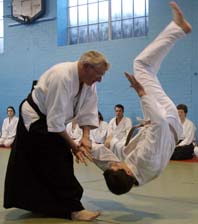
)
(185, 148)
(9, 128)
(149, 152)
(119, 126)
(74, 131)
(98, 135)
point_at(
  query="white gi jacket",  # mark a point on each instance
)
(98, 135)
(121, 130)
(148, 153)
(9, 127)
(56, 95)
(188, 133)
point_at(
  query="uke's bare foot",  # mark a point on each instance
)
(84, 215)
(179, 18)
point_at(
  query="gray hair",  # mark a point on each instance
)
(94, 58)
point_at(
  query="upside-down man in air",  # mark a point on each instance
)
(148, 153)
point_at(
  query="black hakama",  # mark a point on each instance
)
(40, 174)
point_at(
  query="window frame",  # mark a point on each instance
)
(138, 28)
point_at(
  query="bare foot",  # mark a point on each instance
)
(135, 84)
(179, 19)
(84, 215)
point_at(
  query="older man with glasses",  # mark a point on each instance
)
(40, 175)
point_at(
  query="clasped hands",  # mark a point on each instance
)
(82, 151)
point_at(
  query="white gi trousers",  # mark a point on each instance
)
(146, 67)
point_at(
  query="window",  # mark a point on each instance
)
(1, 26)
(99, 20)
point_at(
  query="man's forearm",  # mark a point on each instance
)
(86, 131)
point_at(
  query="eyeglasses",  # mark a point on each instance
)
(98, 73)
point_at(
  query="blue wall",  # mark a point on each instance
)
(31, 49)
